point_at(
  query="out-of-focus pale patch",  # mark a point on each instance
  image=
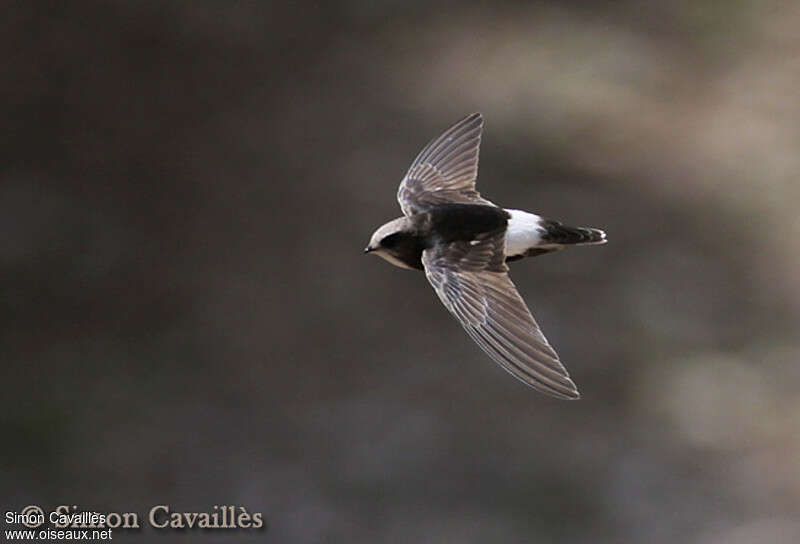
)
(729, 402)
(744, 405)
(765, 530)
(715, 401)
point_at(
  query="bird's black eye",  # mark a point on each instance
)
(390, 241)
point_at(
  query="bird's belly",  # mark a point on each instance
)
(524, 231)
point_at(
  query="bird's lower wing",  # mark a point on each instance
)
(481, 295)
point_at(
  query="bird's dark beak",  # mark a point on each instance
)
(368, 249)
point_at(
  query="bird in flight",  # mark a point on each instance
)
(463, 241)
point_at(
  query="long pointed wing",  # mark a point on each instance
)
(473, 283)
(445, 170)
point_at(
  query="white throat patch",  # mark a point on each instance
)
(388, 257)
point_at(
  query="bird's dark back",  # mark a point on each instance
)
(455, 222)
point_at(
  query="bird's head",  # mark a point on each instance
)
(391, 241)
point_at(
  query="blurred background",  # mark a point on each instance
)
(187, 317)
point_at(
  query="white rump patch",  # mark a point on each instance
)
(523, 232)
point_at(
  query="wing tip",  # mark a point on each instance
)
(573, 395)
(473, 119)
(567, 392)
(476, 116)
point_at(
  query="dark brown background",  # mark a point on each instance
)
(187, 318)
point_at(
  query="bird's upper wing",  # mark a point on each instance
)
(445, 170)
(472, 281)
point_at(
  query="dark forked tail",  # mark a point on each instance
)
(561, 235)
